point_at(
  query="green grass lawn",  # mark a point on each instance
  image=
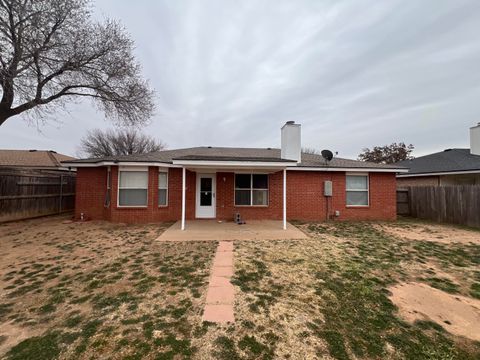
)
(329, 296)
(100, 290)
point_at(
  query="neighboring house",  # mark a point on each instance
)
(448, 167)
(33, 160)
(217, 183)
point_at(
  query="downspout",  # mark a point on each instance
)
(107, 200)
(330, 204)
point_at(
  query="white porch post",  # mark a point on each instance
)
(284, 199)
(184, 175)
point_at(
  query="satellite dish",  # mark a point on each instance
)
(327, 155)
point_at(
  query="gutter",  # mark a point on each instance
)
(232, 164)
(352, 169)
(440, 173)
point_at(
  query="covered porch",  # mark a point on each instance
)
(254, 189)
(205, 230)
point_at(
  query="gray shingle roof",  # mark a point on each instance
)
(236, 154)
(449, 160)
(231, 158)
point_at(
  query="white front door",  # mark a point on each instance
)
(205, 202)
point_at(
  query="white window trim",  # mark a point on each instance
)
(165, 171)
(251, 189)
(126, 169)
(358, 190)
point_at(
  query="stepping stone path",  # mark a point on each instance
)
(220, 293)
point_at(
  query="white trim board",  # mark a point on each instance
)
(345, 169)
(229, 165)
(233, 164)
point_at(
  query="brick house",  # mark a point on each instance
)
(217, 183)
(448, 167)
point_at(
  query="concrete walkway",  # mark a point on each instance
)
(201, 230)
(221, 293)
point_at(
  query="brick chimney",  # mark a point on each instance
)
(475, 140)
(291, 141)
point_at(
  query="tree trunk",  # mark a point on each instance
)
(3, 117)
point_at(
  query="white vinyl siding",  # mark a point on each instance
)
(133, 188)
(251, 190)
(357, 190)
(162, 188)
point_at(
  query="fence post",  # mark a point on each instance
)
(61, 194)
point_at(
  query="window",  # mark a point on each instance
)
(206, 186)
(162, 188)
(357, 190)
(133, 188)
(251, 189)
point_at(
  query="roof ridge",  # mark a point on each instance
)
(52, 157)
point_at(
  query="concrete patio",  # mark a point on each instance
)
(201, 230)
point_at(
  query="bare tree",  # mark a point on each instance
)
(387, 154)
(51, 53)
(310, 150)
(98, 143)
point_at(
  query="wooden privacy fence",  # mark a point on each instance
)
(31, 193)
(456, 204)
(402, 202)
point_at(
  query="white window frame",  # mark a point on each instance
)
(251, 189)
(358, 190)
(162, 171)
(130, 169)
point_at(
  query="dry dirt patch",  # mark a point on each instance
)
(431, 232)
(93, 289)
(459, 315)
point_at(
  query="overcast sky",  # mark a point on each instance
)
(354, 73)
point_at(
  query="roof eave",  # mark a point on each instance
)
(348, 169)
(232, 163)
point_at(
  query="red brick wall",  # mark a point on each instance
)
(305, 200)
(90, 193)
(383, 199)
(226, 199)
(153, 212)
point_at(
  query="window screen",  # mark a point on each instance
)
(133, 187)
(162, 188)
(357, 190)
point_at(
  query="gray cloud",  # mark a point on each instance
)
(354, 73)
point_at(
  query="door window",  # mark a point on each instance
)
(205, 191)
